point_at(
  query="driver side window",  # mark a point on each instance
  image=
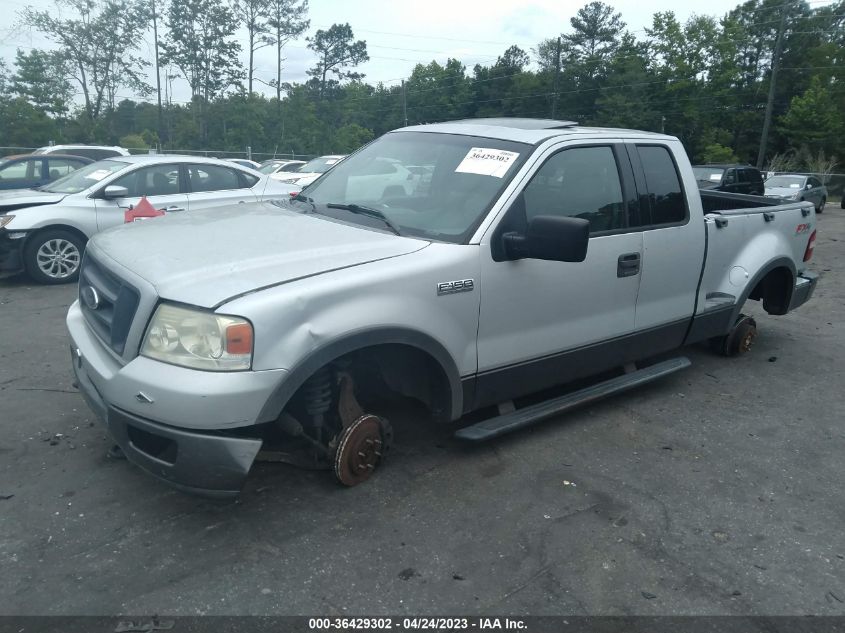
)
(581, 182)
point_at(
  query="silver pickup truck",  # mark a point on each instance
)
(512, 256)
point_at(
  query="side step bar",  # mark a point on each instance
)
(521, 418)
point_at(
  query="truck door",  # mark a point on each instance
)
(673, 245)
(543, 322)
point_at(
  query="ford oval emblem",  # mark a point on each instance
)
(90, 296)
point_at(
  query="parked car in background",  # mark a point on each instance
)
(732, 178)
(94, 152)
(245, 162)
(311, 170)
(279, 167)
(30, 171)
(798, 187)
(44, 232)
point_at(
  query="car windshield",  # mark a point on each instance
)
(319, 165)
(85, 177)
(269, 168)
(435, 186)
(708, 174)
(785, 182)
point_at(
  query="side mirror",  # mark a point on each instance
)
(808, 186)
(550, 237)
(113, 192)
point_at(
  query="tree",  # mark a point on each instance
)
(336, 51)
(41, 79)
(287, 22)
(98, 45)
(254, 15)
(594, 38)
(201, 45)
(813, 119)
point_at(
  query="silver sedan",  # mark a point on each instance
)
(798, 187)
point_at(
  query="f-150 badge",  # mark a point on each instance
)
(451, 287)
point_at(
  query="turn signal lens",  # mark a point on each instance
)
(239, 338)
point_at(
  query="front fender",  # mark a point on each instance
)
(358, 340)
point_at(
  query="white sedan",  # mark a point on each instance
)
(311, 170)
(44, 231)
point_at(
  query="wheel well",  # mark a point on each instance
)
(384, 370)
(58, 227)
(774, 290)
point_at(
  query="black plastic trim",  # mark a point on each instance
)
(11, 252)
(781, 262)
(357, 341)
(710, 324)
(512, 381)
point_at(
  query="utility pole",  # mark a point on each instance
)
(404, 103)
(663, 124)
(770, 102)
(557, 75)
(158, 74)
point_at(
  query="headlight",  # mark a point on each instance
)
(290, 181)
(795, 196)
(5, 219)
(197, 339)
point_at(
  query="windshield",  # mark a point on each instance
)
(85, 177)
(319, 165)
(436, 186)
(787, 182)
(269, 168)
(709, 174)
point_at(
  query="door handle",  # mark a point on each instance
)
(171, 209)
(628, 265)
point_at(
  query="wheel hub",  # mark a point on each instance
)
(360, 449)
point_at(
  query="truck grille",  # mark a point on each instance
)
(108, 303)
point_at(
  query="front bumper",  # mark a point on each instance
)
(183, 426)
(205, 464)
(11, 252)
(805, 285)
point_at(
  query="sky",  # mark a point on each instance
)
(402, 33)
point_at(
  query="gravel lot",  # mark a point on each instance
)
(718, 490)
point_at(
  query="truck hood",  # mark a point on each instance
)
(205, 258)
(20, 198)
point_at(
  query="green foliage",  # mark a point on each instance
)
(716, 153)
(98, 45)
(41, 79)
(814, 119)
(702, 80)
(134, 141)
(351, 137)
(336, 51)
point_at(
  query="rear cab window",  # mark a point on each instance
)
(666, 200)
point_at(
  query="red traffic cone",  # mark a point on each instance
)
(141, 211)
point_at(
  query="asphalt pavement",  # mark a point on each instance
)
(718, 490)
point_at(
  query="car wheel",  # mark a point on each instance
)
(738, 340)
(820, 208)
(54, 256)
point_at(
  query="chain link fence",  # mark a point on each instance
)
(209, 153)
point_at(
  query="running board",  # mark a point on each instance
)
(521, 418)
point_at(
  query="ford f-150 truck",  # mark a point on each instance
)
(523, 254)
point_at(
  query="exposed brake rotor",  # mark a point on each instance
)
(360, 448)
